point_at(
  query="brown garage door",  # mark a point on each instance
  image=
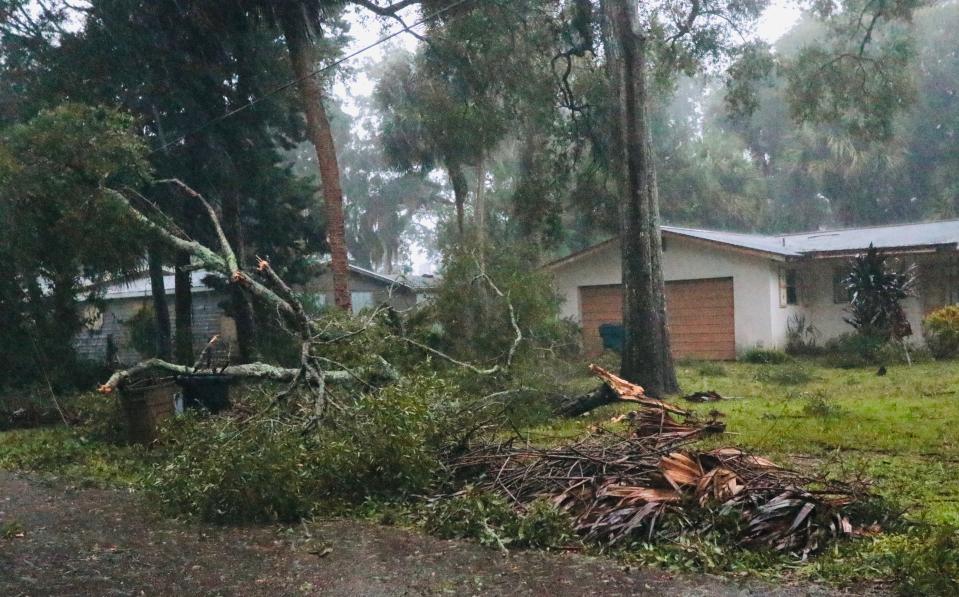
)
(701, 322)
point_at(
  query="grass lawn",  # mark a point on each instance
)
(900, 429)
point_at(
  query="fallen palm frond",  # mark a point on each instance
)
(645, 482)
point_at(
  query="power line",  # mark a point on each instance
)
(287, 85)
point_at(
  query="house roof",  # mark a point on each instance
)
(139, 285)
(904, 238)
(415, 282)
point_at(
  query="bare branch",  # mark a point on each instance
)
(225, 247)
(207, 257)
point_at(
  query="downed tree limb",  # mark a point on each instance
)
(614, 389)
(259, 371)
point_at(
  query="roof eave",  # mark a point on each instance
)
(905, 250)
(752, 251)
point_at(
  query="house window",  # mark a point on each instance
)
(788, 287)
(840, 294)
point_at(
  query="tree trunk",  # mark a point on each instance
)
(161, 309)
(481, 206)
(297, 36)
(183, 307)
(460, 189)
(240, 308)
(646, 352)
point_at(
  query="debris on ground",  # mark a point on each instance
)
(646, 482)
(706, 396)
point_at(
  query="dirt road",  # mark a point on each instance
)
(55, 540)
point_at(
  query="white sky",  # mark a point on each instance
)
(777, 19)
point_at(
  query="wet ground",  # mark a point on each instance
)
(58, 540)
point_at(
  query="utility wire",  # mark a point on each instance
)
(287, 85)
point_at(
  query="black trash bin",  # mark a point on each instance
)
(613, 335)
(207, 392)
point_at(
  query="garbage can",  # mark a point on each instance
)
(209, 392)
(613, 336)
(145, 404)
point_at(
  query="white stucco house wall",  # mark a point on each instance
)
(727, 292)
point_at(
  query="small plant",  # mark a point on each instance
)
(11, 529)
(817, 406)
(802, 337)
(941, 330)
(790, 374)
(764, 356)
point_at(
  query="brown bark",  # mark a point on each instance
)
(297, 35)
(460, 189)
(183, 307)
(161, 309)
(646, 352)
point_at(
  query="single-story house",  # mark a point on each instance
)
(727, 292)
(123, 300)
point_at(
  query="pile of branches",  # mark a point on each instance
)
(647, 483)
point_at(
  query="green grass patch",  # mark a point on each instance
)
(70, 454)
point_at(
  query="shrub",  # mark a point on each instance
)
(802, 337)
(790, 374)
(816, 405)
(941, 329)
(927, 563)
(860, 350)
(764, 356)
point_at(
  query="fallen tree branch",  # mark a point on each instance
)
(260, 371)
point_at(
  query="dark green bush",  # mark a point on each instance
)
(764, 356)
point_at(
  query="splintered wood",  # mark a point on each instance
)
(645, 482)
